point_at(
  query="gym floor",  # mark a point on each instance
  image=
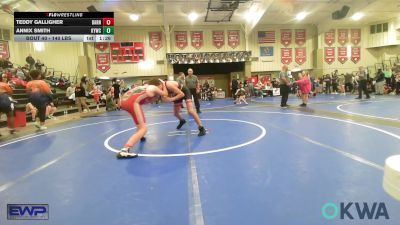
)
(258, 164)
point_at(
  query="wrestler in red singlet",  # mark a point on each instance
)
(132, 102)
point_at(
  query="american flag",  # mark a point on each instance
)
(266, 37)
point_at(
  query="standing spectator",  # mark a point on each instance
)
(181, 79)
(30, 61)
(80, 98)
(380, 80)
(348, 82)
(362, 83)
(305, 87)
(335, 83)
(40, 96)
(284, 85)
(192, 82)
(234, 87)
(397, 79)
(117, 92)
(388, 75)
(328, 82)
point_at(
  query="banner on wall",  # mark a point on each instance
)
(342, 54)
(355, 36)
(343, 36)
(266, 51)
(286, 37)
(286, 55)
(329, 55)
(300, 55)
(101, 46)
(218, 38)
(233, 38)
(196, 39)
(181, 41)
(300, 37)
(127, 52)
(266, 37)
(4, 50)
(155, 40)
(330, 37)
(103, 62)
(355, 54)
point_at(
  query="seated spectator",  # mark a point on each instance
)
(6, 105)
(20, 74)
(240, 95)
(39, 65)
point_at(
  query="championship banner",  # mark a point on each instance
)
(286, 37)
(233, 38)
(127, 52)
(330, 37)
(329, 55)
(343, 36)
(342, 54)
(101, 46)
(218, 38)
(155, 40)
(4, 50)
(355, 54)
(355, 36)
(300, 55)
(197, 39)
(266, 37)
(181, 39)
(103, 62)
(300, 37)
(286, 55)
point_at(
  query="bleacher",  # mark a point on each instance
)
(63, 105)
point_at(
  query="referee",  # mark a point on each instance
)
(192, 82)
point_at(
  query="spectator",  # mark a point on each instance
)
(328, 82)
(6, 106)
(348, 82)
(39, 65)
(80, 98)
(380, 79)
(30, 61)
(116, 87)
(70, 91)
(362, 83)
(234, 87)
(181, 79)
(305, 87)
(40, 96)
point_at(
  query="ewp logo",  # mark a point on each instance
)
(27, 212)
(363, 211)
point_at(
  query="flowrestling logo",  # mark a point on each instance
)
(355, 210)
(27, 211)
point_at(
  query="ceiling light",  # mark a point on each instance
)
(193, 16)
(300, 16)
(357, 16)
(134, 17)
